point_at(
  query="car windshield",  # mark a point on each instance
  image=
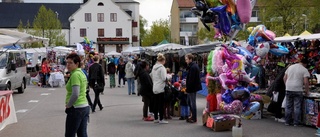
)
(3, 60)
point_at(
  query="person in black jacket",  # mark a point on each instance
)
(121, 72)
(96, 81)
(112, 72)
(146, 89)
(193, 83)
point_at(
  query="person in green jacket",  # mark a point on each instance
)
(77, 108)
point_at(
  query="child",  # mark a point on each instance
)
(183, 102)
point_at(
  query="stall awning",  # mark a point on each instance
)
(287, 35)
(11, 37)
(305, 33)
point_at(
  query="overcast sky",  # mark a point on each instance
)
(151, 10)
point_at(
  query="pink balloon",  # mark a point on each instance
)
(244, 10)
(270, 34)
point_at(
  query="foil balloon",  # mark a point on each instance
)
(224, 22)
(231, 6)
(244, 10)
(262, 49)
(279, 50)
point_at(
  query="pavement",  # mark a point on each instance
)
(40, 113)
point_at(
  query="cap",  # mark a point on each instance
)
(176, 84)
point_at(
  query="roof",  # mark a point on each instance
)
(12, 13)
(185, 3)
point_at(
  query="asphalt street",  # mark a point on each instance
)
(40, 113)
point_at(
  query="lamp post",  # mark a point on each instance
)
(305, 21)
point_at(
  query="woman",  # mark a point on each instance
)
(121, 70)
(77, 107)
(158, 76)
(146, 89)
(112, 73)
(45, 70)
(130, 76)
(96, 82)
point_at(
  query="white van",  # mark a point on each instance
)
(13, 69)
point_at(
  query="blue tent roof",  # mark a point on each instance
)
(13, 47)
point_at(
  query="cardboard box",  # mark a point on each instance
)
(224, 125)
(205, 116)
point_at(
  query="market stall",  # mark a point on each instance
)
(7, 109)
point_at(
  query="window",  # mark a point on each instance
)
(87, 17)
(100, 4)
(113, 17)
(119, 32)
(100, 17)
(100, 32)
(254, 13)
(83, 32)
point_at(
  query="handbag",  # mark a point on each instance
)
(98, 87)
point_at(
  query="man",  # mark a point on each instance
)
(193, 84)
(295, 77)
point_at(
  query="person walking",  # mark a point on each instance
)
(112, 73)
(45, 70)
(96, 82)
(130, 76)
(158, 76)
(295, 77)
(193, 84)
(77, 108)
(121, 70)
(88, 88)
(146, 89)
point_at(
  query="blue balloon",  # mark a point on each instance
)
(224, 22)
(280, 51)
(244, 52)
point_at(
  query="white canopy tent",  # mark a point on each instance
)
(133, 50)
(113, 53)
(295, 38)
(11, 37)
(164, 48)
(41, 51)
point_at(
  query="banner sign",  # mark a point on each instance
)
(7, 110)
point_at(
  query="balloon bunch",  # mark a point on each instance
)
(227, 67)
(227, 16)
(87, 45)
(260, 34)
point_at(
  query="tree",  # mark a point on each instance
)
(46, 24)
(204, 35)
(158, 31)
(143, 23)
(288, 16)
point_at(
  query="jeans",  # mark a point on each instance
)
(158, 106)
(76, 121)
(184, 111)
(96, 100)
(294, 101)
(146, 104)
(253, 108)
(121, 76)
(192, 104)
(130, 85)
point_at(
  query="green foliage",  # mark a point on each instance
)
(204, 35)
(286, 16)
(46, 24)
(158, 31)
(143, 23)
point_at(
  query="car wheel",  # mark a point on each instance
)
(21, 89)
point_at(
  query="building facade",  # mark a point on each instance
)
(184, 24)
(113, 25)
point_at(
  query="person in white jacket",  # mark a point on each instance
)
(130, 76)
(158, 75)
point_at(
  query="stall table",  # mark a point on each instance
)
(310, 109)
(56, 79)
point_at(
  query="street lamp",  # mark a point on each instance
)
(305, 21)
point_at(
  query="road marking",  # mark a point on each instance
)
(51, 89)
(22, 111)
(33, 101)
(45, 94)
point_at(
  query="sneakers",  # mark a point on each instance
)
(298, 125)
(281, 120)
(119, 86)
(286, 124)
(191, 120)
(122, 86)
(156, 121)
(133, 93)
(163, 122)
(148, 119)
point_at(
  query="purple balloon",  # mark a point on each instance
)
(224, 22)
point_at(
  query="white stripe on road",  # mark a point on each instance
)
(51, 89)
(33, 101)
(22, 111)
(45, 94)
